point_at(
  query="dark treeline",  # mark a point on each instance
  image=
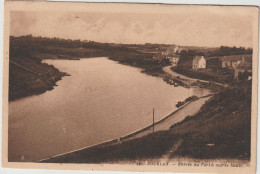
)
(38, 48)
(25, 46)
(52, 42)
(226, 51)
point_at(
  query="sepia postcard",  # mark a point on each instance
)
(130, 87)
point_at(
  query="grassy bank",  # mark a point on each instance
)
(222, 129)
(23, 83)
(205, 74)
(150, 146)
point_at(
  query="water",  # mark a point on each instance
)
(101, 100)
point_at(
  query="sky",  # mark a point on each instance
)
(209, 26)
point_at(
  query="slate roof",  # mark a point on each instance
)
(197, 58)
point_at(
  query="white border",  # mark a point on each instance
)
(212, 2)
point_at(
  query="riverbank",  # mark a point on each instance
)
(29, 77)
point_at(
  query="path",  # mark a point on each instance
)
(167, 156)
(24, 68)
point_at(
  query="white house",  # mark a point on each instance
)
(199, 62)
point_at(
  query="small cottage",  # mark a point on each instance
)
(199, 62)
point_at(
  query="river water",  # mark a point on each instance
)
(101, 100)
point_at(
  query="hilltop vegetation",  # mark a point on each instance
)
(226, 51)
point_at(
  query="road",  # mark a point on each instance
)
(168, 70)
(188, 110)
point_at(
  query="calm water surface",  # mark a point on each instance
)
(101, 100)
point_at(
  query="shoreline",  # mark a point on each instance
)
(46, 82)
(23, 82)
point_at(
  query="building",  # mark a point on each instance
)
(231, 62)
(243, 71)
(173, 59)
(199, 62)
(177, 49)
(171, 50)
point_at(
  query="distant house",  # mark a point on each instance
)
(171, 50)
(173, 59)
(199, 62)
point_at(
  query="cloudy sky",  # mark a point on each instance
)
(182, 25)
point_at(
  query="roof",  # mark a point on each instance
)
(235, 58)
(197, 58)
